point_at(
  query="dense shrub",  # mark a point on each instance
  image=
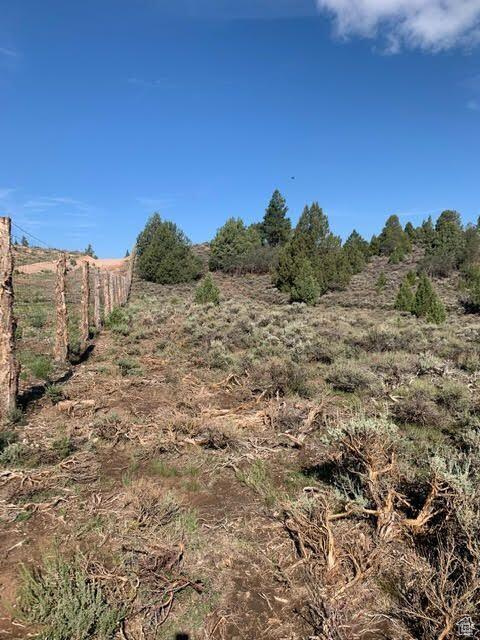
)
(164, 254)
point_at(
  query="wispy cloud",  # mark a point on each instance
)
(155, 83)
(432, 25)
(161, 202)
(473, 105)
(10, 53)
(5, 193)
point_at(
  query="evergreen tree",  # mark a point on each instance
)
(471, 247)
(449, 237)
(276, 227)
(426, 233)
(232, 243)
(89, 251)
(405, 299)
(445, 252)
(312, 240)
(207, 291)
(164, 254)
(393, 239)
(305, 286)
(24, 242)
(375, 246)
(411, 233)
(427, 304)
(411, 278)
(357, 251)
(127, 253)
(381, 282)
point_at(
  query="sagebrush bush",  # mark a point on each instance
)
(63, 598)
(352, 377)
(279, 376)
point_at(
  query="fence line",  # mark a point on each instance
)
(101, 291)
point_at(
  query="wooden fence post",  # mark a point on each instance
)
(61, 330)
(113, 301)
(9, 369)
(107, 306)
(97, 315)
(84, 328)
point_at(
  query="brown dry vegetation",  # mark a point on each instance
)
(250, 470)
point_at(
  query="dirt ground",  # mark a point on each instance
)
(171, 463)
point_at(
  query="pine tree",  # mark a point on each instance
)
(127, 253)
(276, 227)
(305, 286)
(405, 299)
(164, 254)
(24, 242)
(207, 291)
(427, 304)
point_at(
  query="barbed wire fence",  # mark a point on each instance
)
(49, 317)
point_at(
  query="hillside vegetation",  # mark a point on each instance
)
(229, 465)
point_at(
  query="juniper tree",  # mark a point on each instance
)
(405, 299)
(357, 251)
(393, 239)
(410, 231)
(164, 253)
(427, 304)
(231, 244)
(305, 287)
(276, 227)
(207, 291)
(313, 240)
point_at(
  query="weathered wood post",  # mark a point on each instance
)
(107, 304)
(61, 330)
(113, 296)
(9, 369)
(97, 315)
(84, 319)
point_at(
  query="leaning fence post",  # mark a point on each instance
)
(9, 369)
(96, 299)
(84, 328)
(61, 331)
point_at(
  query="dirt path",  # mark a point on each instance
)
(161, 427)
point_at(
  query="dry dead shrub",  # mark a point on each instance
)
(150, 505)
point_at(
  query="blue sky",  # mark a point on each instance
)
(112, 109)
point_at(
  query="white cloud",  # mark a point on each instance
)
(426, 24)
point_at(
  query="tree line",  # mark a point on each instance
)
(308, 260)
